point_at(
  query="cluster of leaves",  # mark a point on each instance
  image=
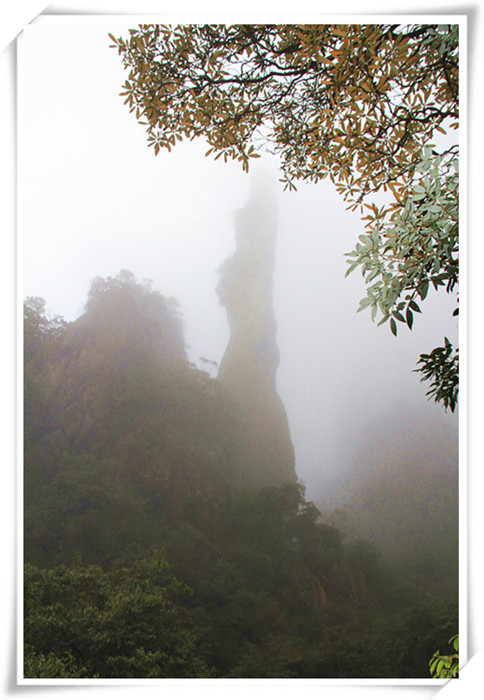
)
(360, 104)
(441, 368)
(331, 99)
(40, 329)
(446, 665)
(412, 244)
(127, 623)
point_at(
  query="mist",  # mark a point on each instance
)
(277, 500)
(94, 200)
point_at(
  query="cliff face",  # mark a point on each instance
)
(248, 368)
(116, 387)
(125, 327)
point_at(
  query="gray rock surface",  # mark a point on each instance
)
(248, 368)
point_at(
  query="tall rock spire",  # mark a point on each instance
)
(248, 368)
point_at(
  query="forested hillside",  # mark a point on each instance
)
(153, 549)
(401, 492)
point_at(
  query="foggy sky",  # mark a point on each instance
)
(93, 199)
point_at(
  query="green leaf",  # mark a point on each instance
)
(350, 269)
(364, 303)
(393, 326)
(409, 316)
(423, 288)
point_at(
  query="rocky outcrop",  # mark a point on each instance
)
(248, 368)
(128, 323)
(125, 327)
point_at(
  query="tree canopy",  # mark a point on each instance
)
(81, 622)
(39, 327)
(370, 106)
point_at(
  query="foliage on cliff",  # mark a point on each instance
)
(147, 557)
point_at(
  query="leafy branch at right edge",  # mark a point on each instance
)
(411, 246)
(446, 665)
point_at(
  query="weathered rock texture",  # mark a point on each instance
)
(117, 386)
(124, 329)
(248, 368)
